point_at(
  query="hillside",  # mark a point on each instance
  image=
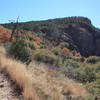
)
(78, 32)
(57, 59)
(38, 83)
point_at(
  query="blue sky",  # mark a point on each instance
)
(29, 10)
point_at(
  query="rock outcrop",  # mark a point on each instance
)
(86, 40)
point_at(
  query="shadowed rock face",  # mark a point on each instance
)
(98, 47)
(83, 39)
(87, 41)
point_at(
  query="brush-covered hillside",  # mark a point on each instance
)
(56, 59)
(78, 32)
(38, 83)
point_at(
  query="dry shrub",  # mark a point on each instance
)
(66, 52)
(74, 88)
(4, 33)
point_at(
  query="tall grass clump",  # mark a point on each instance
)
(18, 73)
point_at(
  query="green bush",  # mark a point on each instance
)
(64, 45)
(42, 45)
(56, 50)
(31, 46)
(77, 59)
(20, 51)
(69, 68)
(94, 87)
(86, 73)
(44, 55)
(71, 63)
(93, 59)
(90, 98)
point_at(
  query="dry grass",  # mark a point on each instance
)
(55, 85)
(39, 83)
(18, 73)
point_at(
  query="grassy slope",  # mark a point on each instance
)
(18, 74)
(38, 83)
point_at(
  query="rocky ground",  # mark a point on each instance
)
(8, 90)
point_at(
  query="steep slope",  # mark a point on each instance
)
(38, 83)
(79, 32)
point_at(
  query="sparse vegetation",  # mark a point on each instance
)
(65, 51)
(40, 84)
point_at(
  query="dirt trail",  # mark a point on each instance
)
(8, 91)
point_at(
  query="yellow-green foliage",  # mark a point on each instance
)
(93, 59)
(44, 55)
(86, 73)
(90, 98)
(56, 50)
(78, 70)
(64, 45)
(69, 68)
(94, 87)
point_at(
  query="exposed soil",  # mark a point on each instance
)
(8, 90)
